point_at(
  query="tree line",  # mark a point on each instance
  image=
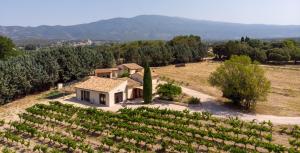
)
(36, 71)
(262, 51)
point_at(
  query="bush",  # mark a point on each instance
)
(54, 94)
(125, 74)
(194, 100)
(241, 81)
(278, 54)
(168, 91)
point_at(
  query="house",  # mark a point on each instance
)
(106, 88)
(134, 88)
(139, 76)
(103, 91)
(107, 73)
(131, 68)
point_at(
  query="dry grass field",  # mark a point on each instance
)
(283, 99)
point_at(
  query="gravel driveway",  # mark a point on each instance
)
(209, 104)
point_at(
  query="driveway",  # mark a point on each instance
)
(210, 104)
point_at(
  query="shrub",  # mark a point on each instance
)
(168, 91)
(194, 100)
(125, 74)
(241, 81)
(278, 54)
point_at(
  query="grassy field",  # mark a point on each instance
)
(55, 127)
(283, 99)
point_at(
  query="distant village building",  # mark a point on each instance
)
(106, 88)
(82, 43)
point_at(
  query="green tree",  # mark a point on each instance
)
(147, 84)
(6, 47)
(30, 47)
(278, 54)
(247, 39)
(257, 55)
(241, 81)
(242, 39)
(295, 55)
(168, 91)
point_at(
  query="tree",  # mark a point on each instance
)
(295, 55)
(147, 84)
(247, 39)
(241, 81)
(6, 47)
(30, 47)
(168, 91)
(278, 54)
(219, 51)
(258, 55)
(255, 43)
(242, 39)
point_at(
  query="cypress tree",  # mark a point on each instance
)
(147, 84)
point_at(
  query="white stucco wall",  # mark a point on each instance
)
(129, 93)
(120, 88)
(94, 96)
(110, 96)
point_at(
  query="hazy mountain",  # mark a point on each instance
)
(150, 27)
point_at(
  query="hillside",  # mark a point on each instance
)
(148, 27)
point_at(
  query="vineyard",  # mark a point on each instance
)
(58, 127)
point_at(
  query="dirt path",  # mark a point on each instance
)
(209, 104)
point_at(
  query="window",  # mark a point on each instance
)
(85, 95)
(118, 97)
(102, 99)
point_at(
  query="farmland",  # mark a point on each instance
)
(283, 99)
(57, 127)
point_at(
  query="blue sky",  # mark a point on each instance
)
(69, 12)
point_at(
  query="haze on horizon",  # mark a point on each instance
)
(70, 12)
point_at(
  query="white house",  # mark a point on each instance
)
(131, 68)
(103, 91)
(105, 88)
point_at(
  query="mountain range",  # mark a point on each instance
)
(150, 27)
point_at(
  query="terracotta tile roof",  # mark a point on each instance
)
(132, 66)
(131, 83)
(100, 84)
(107, 70)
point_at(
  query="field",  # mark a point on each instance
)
(57, 127)
(283, 99)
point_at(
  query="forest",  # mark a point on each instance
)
(34, 71)
(23, 72)
(276, 52)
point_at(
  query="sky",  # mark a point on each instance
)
(70, 12)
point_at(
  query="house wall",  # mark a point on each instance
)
(132, 72)
(120, 88)
(115, 74)
(129, 93)
(105, 75)
(94, 96)
(123, 69)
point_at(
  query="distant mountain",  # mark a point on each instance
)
(148, 27)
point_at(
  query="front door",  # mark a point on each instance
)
(137, 93)
(102, 99)
(118, 97)
(85, 95)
